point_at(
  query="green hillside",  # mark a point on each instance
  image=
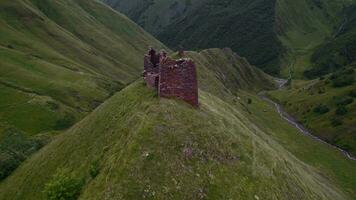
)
(145, 12)
(222, 68)
(245, 26)
(303, 26)
(78, 122)
(339, 51)
(326, 106)
(136, 146)
(276, 35)
(58, 61)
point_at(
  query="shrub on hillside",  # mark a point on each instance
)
(336, 121)
(63, 187)
(344, 77)
(341, 110)
(353, 93)
(15, 147)
(8, 163)
(344, 101)
(52, 105)
(65, 122)
(94, 169)
(343, 80)
(321, 109)
(318, 3)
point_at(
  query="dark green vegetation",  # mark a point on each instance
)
(58, 61)
(144, 147)
(15, 147)
(332, 61)
(326, 106)
(339, 51)
(244, 26)
(272, 34)
(62, 186)
(63, 58)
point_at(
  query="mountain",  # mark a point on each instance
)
(326, 104)
(78, 122)
(136, 145)
(306, 39)
(274, 35)
(60, 60)
(339, 51)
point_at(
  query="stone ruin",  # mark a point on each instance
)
(171, 78)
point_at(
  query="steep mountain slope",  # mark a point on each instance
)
(339, 51)
(304, 25)
(66, 56)
(227, 68)
(272, 34)
(58, 61)
(145, 147)
(241, 25)
(325, 105)
(327, 109)
(145, 12)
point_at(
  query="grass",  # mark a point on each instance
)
(134, 145)
(141, 146)
(304, 97)
(245, 27)
(276, 36)
(326, 160)
(337, 53)
(73, 54)
(60, 60)
(151, 148)
(302, 34)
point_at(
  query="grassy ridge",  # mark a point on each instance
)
(235, 74)
(145, 147)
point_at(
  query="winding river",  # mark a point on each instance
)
(284, 115)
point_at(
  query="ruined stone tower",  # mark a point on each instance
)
(172, 78)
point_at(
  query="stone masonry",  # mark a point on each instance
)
(172, 78)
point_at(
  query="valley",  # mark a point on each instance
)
(276, 90)
(233, 140)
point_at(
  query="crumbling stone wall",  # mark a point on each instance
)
(172, 78)
(178, 79)
(150, 73)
